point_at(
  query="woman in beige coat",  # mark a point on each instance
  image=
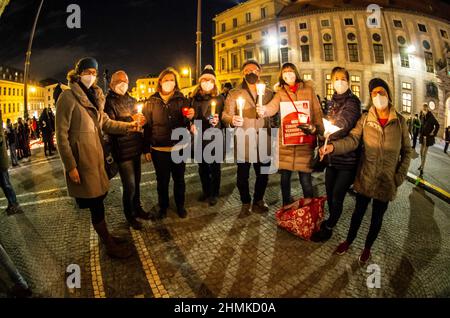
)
(385, 160)
(79, 121)
(296, 158)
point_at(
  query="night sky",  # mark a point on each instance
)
(140, 36)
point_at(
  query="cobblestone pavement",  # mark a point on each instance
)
(216, 252)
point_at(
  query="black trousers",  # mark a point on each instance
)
(446, 146)
(130, 174)
(415, 140)
(210, 176)
(165, 167)
(243, 174)
(378, 210)
(337, 183)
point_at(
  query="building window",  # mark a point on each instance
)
(325, 23)
(263, 13)
(304, 39)
(379, 53)
(14, 92)
(429, 62)
(9, 108)
(224, 27)
(284, 55)
(328, 77)
(264, 33)
(426, 45)
(328, 50)
(353, 52)
(398, 24)
(303, 26)
(265, 55)
(406, 86)
(401, 40)
(307, 77)
(235, 41)
(348, 21)
(248, 17)
(327, 37)
(406, 102)
(404, 57)
(248, 37)
(234, 61)
(444, 34)
(422, 27)
(351, 36)
(330, 91)
(356, 89)
(376, 37)
(223, 44)
(355, 79)
(248, 54)
(235, 23)
(305, 53)
(284, 42)
(283, 29)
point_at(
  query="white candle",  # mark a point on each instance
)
(260, 90)
(213, 108)
(240, 104)
(140, 106)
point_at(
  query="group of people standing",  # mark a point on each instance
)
(371, 151)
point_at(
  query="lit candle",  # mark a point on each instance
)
(140, 106)
(213, 108)
(240, 104)
(329, 130)
(260, 90)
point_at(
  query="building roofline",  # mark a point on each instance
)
(327, 10)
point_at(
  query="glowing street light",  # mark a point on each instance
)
(271, 41)
(411, 49)
(32, 89)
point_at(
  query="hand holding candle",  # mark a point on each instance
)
(240, 104)
(260, 91)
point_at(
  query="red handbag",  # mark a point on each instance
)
(303, 217)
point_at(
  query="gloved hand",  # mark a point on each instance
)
(308, 129)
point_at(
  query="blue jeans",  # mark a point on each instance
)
(305, 181)
(130, 174)
(7, 187)
(12, 271)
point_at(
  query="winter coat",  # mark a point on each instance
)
(251, 120)
(345, 111)
(162, 118)
(122, 108)
(11, 134)
(447, 134)
(429, 129)
(79, 144)
(386, 154)
(45, 124)
(202, 106)
(297, 158)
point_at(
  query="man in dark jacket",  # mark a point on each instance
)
(428, 131)
(127, 149)
(46, 126)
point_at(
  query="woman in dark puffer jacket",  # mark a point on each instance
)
(341, 171)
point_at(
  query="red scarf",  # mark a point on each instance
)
(294, 88)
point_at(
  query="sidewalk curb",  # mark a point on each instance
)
(435, 190)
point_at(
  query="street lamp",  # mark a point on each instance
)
(411, 49)
(187, 72)
(27, 62)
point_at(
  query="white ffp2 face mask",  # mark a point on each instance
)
(168, 86)
(341, 86)
(88, 80)
(380, 102)
(289, 78)
(121, 88)
(207, 86)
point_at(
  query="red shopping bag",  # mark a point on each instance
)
(303, 217)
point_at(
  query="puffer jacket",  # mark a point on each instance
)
(122, 108)
(386, 154)
(297, 158)
(345, 111)
(162, 118)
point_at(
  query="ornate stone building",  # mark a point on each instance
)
(406, 43)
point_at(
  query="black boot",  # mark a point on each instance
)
(182, 213)
(113, 249)
(135, 224)
(142, 214)
(323, 235)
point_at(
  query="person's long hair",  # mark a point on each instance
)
(167, 71)
(281, 81)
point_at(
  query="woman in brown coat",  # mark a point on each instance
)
(298, 157)
(384, 163)
(79, 121)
